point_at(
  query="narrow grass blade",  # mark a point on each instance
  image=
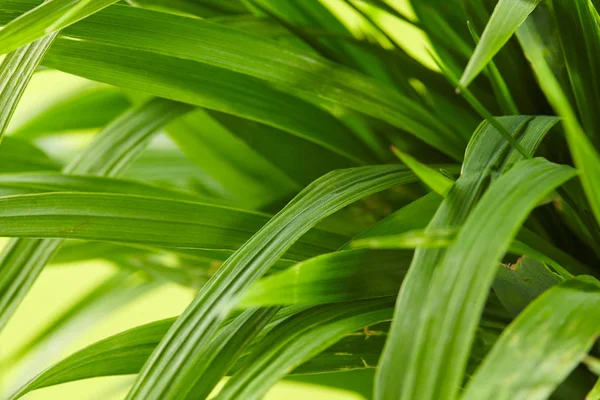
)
(22, 260)
(435, 180)
(542, 346)
(45, 19)
(297, 340)
(169, 366)
(109, 46)
(578, 26)
(462, 278)
(15, 72)
(341, 276)
(143, 220)
(487, 153)
(507, 17)
(30, 183)
(586, 157)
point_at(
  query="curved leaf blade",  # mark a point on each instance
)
(542, 346)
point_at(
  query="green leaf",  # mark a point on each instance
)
(189, 337)
(143, 220)
(29, 183)
(341, 276)
(555, 331)
(587, 159)
(21, 156)
(88, 109)
(507, 17)
(435, 180)
(431, 239)
(463, 277)
(518, 284)
(109, 154)
(112, 293)
(15, 72)
(126, 352)
(578, 26)
(487, 153)
(45, 19)
(110, 45)
(300, 338)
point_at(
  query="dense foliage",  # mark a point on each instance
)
(339, 198)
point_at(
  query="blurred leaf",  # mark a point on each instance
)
(16, 70)
(45, 19)
(22, 260)
(88, 109)
(109, 46)
(21, 156)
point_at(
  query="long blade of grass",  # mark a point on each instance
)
(486, 153)
(143, 220)
(22, 260)
(507, 17)
(341, 276)
(126, 352)
(586, 158)
(30, 183)
(578, 26)
(542, 346)
(169, 366)
(16, 70)
(462, 278)
(45, 19)
(121, 35)
(297, 340)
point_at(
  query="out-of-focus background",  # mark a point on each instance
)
(60, 286)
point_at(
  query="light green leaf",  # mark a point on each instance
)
(430, 239)
(435, 180)
(507, 17)
(45, 19)
(542, 346)
(189, 337)
(341, 276)
(30, 183)
(300, 338)
(109, 46)
(143, 220)
(22, 260)
(487, 153)
(464, 275)
(87, 109)
(15, 72)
